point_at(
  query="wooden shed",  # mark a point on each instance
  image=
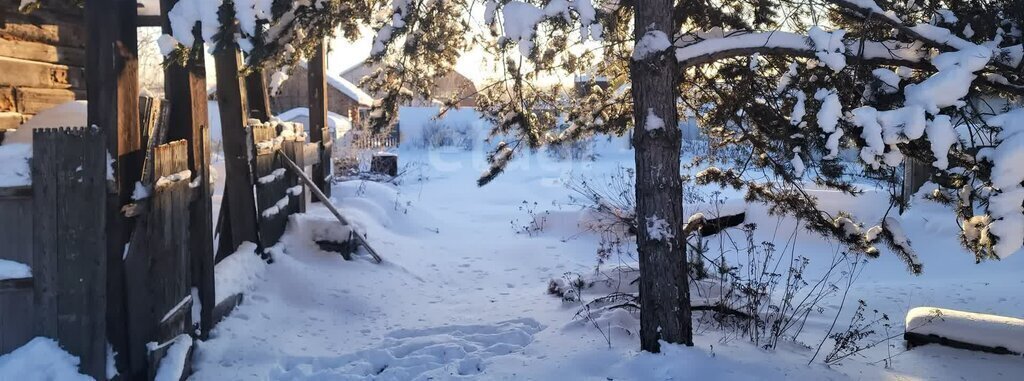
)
(42, 59)
(451, 84)
(343, 97)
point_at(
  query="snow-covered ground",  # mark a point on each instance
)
(462, 295)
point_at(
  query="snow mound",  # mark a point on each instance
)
(447, 352)
(40, 359)
(70, 114)
(968, 327)
(14, 164)
(239, 272)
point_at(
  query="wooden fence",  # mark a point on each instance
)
(57, 226)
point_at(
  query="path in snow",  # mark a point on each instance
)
(417, 354)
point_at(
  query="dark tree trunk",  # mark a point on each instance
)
(664, 286)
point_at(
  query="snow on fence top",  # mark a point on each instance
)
(14, 270)
(991, 331)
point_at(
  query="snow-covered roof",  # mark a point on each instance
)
(347, 88)
(341, 125)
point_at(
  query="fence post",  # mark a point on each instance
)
(69, 175)
(185, 87)
(318, 118)
(113, 89)
(234, 111)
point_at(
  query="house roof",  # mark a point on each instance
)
(347, 88)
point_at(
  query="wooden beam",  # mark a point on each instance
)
(318, 117)
(259, 97)
(185, 88)
(113, 90)
(234, 114)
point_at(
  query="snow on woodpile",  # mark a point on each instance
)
(239, 272)
(990, 331)
(14, 270)
(40, 359)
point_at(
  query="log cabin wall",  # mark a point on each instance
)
(42, 59)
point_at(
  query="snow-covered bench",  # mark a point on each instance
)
(964, 330)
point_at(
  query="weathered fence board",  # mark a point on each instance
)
(277, 194)
(157, 263)
(69, 229)
(295, 150)
(185, 87)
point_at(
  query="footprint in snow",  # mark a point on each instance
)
(447, 352)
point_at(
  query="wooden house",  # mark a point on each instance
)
(42, 59)
(451, 84)
(343, 97)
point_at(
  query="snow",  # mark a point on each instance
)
(889, 79)
(799, 108)
(942, 137)
(41, 359)
(653, 122)
(658, 229)
(798, 165)
(347, 88)
(14, 270)
(830, 47)
(519, 22)
(14, 164)
(167, 43)
(652, 43)
(239, 272)
(968, 327)
(1007, 176)
(173, 363)
(461, 295)
(70, 114)
(339, 125)
(831, 110)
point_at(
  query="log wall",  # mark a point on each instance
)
(42, 59)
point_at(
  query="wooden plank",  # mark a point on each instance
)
(157, 263)
(318, 116)
(40, 52)
(294, 150)
(13, 285)
(70, 242)
(33, 101)
(113, 91)
(185, 87)
(157, 355)
(18, 72)
(259, 97)
(231, 96)
(225, 307)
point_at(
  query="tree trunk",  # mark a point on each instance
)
(664, 284)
